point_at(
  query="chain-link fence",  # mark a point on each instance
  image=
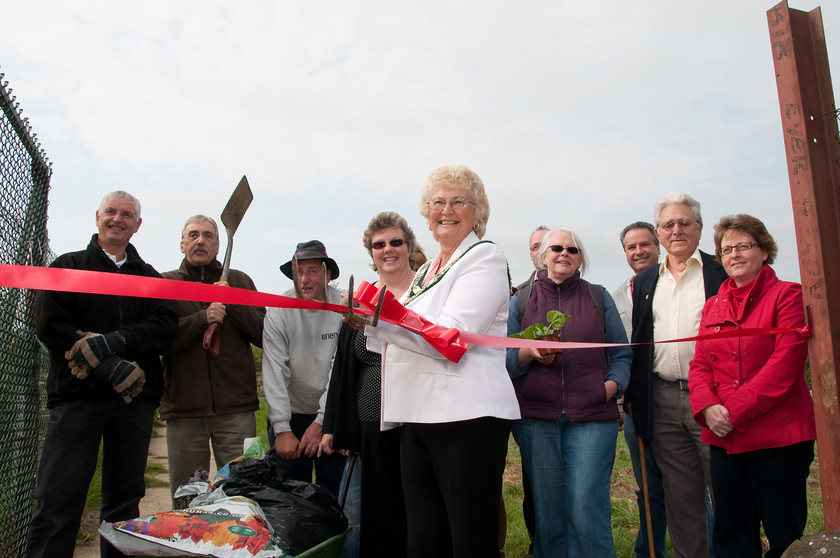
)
(24, 185)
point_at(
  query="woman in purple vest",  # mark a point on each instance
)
(569, 426)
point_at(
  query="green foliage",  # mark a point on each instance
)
(262, 424)
(555, 319)
(257, 357)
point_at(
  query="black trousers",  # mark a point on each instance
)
(383, 530)
(763, 487)
(452, 480)
(68, 462)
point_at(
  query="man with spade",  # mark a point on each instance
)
(209, 397)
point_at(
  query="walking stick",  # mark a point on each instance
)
(346, 487)
(646, 496)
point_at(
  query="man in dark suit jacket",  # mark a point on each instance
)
(658, 394)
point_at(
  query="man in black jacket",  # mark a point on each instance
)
(658, 396)
(209, 399)
(104, 383)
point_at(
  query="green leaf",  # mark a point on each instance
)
(555, 319)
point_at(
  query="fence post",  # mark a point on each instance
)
(809, 122)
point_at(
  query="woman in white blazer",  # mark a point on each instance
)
(457, 416)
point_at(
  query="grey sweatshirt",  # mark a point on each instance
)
(298, 351)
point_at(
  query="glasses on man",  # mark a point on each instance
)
(394, 243)
(440, 204)
(683, 223)
(741, 248)
(570, 249)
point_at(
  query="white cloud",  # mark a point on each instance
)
(574, 114)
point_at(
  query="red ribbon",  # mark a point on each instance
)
(450, 342)
(98, 282)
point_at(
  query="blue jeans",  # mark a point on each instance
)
(352, 505)
(656, 494)
(569, 466)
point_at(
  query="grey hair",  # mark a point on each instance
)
(459, 176)
(538, 229)
(677, 198)
(120, 194)
(200, 219)
(546, 242)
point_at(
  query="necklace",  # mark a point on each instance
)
(418, 285)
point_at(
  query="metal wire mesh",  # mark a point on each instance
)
(24, 186)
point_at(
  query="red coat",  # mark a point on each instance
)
(759, 379)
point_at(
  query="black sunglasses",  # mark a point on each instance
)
(395, 243)
(570, 249)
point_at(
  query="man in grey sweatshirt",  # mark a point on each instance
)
(298, 349)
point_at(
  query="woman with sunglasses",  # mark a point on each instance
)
(569, 427)
(352, 412)
(751, 398)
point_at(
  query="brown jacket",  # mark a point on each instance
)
(195, 385)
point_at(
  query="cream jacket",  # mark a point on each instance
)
(418, 384)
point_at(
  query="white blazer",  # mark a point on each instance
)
(418, 383)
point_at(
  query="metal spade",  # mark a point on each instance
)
(232, 215)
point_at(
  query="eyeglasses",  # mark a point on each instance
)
(570, 249)
(394, 243)
(741, 248)
(683, 223)
(440, 204)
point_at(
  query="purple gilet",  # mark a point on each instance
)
(573, 385)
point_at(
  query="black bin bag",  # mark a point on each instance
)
(303, 515)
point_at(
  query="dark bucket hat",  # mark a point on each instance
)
(311, 250)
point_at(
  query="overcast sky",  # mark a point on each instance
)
(577, 115)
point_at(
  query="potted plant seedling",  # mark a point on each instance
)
(555, 319)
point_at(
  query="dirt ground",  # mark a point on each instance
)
(825, 544)
(157, 499)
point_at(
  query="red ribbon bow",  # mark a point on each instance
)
(446, 341)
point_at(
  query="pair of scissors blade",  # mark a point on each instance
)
(379, 305)
(296, 277)
(324, 281)
(350, 299)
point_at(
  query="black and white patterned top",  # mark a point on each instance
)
(368, 391)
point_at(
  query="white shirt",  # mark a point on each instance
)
(624, 304)
(677, 309)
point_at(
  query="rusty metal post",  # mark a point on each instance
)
(812, 145)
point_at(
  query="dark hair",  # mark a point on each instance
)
(750, 225)
(639, 225)
(386, 220)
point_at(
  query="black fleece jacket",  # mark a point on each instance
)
(148, 326)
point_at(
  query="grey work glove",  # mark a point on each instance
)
(88, 352)
(127, 378)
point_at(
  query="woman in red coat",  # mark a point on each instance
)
(750, 396)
